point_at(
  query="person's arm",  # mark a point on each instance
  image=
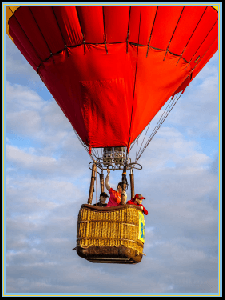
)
(145, 210)
(108, 187)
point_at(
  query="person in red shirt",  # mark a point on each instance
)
(137, 201)
(115, 195)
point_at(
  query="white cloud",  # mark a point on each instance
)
(170, 146)
(54, 117)
(29, 116)
(20, 98)
(24, 122)
(23, 108)
(27, 160)
(16, 64)
(211, 68)
(31, 160)
(197, 109)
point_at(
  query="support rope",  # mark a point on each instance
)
(171, 103)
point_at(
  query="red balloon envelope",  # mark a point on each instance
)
(111, 68)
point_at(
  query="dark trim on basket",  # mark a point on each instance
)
(111, 208)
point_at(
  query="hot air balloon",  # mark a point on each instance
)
(111, 69)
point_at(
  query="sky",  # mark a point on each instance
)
(47, 179)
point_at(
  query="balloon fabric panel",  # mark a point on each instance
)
(29, 26)
(60, 77)
(69, 25)
(103, 118)
(154, 88)
(23, 44)
(91, 20)
(204, 46)
(116, 19)
(186, 27)
(164, 26)
(134, 24)
(147, 18)
(112, 68)
(205, 25)
(141, 23)
(80, 72)
(47, 24)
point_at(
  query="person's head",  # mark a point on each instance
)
(120, 187)
(103, 197)
(138, 198)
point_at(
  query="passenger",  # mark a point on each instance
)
(115, 196)
(137, 201)
(102, 200)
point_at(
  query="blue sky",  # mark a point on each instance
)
(47, 180)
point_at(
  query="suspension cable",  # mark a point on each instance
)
(170, 105)
(148, 126)
(172, 102)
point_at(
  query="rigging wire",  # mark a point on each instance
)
(148, 126)
(171, 103)
(85, 146)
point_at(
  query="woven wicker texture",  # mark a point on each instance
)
(109, 228)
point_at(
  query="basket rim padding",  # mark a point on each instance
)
(110, 208)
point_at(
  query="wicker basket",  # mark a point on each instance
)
(110, 234)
